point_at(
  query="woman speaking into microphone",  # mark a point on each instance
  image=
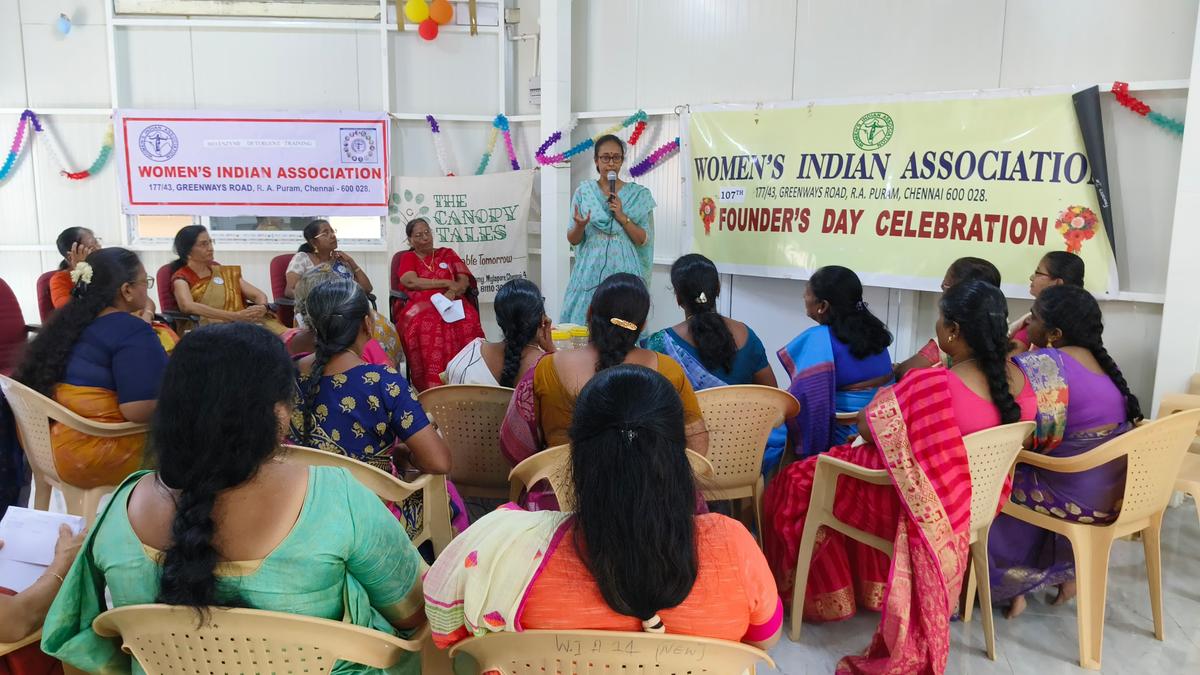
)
(613, 230)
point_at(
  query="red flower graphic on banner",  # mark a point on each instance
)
(708, 212)
(1077, 224)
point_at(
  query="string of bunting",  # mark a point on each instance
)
(439, 145)
(30, 118)
(1121, 91)
(638, 118)
(499, 126)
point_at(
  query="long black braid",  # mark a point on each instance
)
(1076, 313)
(519, 312)
(981, 313)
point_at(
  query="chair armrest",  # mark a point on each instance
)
(397, 295)
(846, 417)
(32, 638)
(33, 327)
(1091, 459)
(98, 429)
(1172, 403)
(285, 302)
(831, 467)
(172, 316)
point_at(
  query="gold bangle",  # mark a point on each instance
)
(57, 576)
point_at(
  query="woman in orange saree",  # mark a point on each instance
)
(102, 362)
(914, 430)
(215, 293)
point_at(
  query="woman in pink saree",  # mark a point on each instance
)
(913, 429)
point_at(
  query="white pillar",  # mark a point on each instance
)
(555, 19)
(1179, 344)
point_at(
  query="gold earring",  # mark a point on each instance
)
(950, 339)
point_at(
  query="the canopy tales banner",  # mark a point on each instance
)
(483, 218)
(253, 163)
(894, 190)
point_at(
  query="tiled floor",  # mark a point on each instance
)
(1043, 639)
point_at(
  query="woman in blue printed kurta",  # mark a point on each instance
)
(613, 232)
(354, 408)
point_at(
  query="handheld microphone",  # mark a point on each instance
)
(612, 184)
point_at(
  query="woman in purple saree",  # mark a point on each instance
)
(1083, 401)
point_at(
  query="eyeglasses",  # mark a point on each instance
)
(609, 159)
(327, 233)
(1039, 273)
(149, 282)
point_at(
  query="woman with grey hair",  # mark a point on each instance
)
(382, 349)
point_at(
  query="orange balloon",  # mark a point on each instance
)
(441, 11)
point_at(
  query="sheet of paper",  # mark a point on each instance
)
(451, 310)
(18, 576)
(29, 535)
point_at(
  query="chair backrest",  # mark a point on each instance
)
(33, 413)
(1155, 452)
(12, 329)
(285, 313)
(44, 301)
(469, 417)
(739, 419)
(279, 274)
(554, 466)
(536, 652)
(991, 454)
(166, 292)
(395, 305)
(435, 522)
(167, 639)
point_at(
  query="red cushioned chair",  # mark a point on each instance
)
(286, 307)
(397, 297)
(45, 302)
(14, 332)
(168, 307)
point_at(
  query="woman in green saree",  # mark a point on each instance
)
(224, 523)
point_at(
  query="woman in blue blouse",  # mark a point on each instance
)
(837, 365)
(714, 350)
(102, 361)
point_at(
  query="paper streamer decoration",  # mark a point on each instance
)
(654, 159)
(439, 145)
(499, 126)
(28, 117)
(1121, 91)
(638, 118)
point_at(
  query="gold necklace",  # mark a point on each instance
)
(428, 265)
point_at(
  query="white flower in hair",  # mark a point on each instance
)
(82, 272)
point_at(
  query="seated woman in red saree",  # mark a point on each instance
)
(914, 429)
(216, 293)
(425, 272)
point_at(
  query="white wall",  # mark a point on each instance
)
(672, 52)
(626, 54)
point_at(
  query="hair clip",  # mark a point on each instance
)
(627, 325)
(629, 434)
(860, 306)
(702, 299)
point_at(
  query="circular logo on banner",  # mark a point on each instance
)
(158, 143)
(873, 130)
(359, 146)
